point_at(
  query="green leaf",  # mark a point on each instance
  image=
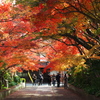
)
(98, 31)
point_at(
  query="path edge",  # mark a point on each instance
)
(4, 93)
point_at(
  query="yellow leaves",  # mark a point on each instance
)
(61, 5)
(64, 63)
(6, 35)
(93, 52)
(80, 68)
(66, 4)
(61, 67)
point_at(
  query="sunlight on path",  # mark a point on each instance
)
(43, 92)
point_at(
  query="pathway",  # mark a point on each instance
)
(43, 92)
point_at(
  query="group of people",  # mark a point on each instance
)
(38, 79)
(51, 79)
(57, 79)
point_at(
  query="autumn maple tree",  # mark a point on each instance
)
(64, 33)
(17, 41)
(74, 23)
(58, 29)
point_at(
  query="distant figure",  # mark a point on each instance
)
(41, 79)
(53, 79)
(49, 79)
(58, 79)
(65, 81)
(34, 79)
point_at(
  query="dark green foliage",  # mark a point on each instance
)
(31, 3)
(88, 79)
(12, 83)
(17, 79)
(8, 80)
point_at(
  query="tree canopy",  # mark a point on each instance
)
(64, 32)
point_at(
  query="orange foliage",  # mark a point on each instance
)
(20, 27)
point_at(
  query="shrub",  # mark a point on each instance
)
(87, 79)
(17, 79)
(12, 83)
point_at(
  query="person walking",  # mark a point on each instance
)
(34, 79)
(49, 79)
(58, 79)
(65, 81)
(41, 79)
(53, 79)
